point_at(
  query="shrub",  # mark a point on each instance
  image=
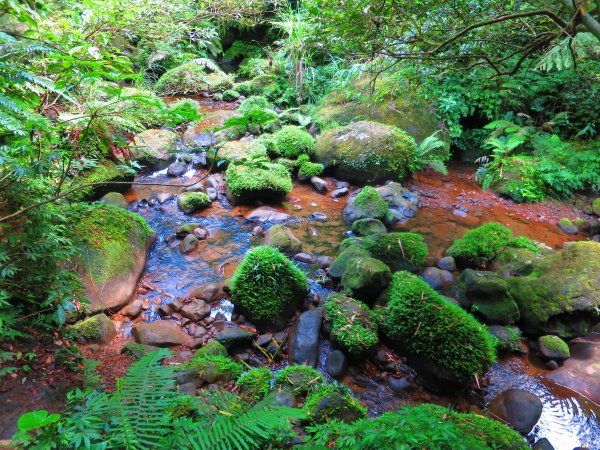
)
(256, 383)
(423, 322)
(230, 95)
(421, 426)
(182, 111)
(189, 78)
(242, 49)
(309, 169)
(253, 67)
(292, 141)
(268, 181)
(253, 103)
(480, 245)
(352, 328)
(400, 251)
(267, 286)
(370, 203)
(333, 402)
(302, 379)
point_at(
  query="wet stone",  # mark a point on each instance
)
(551, 365)
(459, 213)
(188, 244)
(177, 169)
(305, 258)
(196, 310)
(542, 444)
(521, 409)
(318, 216)
(447, 263)
(399, 385)
(187, 389)
(336, 364)
(134, 309)
(340, 192)
(318, 184)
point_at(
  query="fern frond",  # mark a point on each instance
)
(208, 64)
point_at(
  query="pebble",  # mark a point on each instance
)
(459, 213)
(551, 365)
(318, 216)
(398, 385)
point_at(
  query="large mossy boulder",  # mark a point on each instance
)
(109, 177)
(367, 204)
(399, 250)
(366, 152)
(352, 328)
(266, 287)
(480, 245)
(114, 243)
(365, 278)
(450, 344)
(283, 238)
(191, 78)
(268, 182)
(561, 296)
(153, 146)
(487, 292)
(291, 142)
(337, 268)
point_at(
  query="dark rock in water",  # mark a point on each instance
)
(282, 397)
(341, 192)
(186, 229)
(164, 310)
(304, 339)
(200, 233)
(319, 184)
(402, 203)
(553, 347)
(437, 278)
(162, 333)
(324, 261)
(380, 358)
(199, 160)
(508, 338)
(196, 310)
(399, 385)
(521, 409)
(177, 169)
(284, 239)
(447, 263)
(134, 309)
(488, 291)
(175, 306)
(551, 365)
(364, 278)
(336, 364)
(209, 292)
(263, 340)
(232, 336)
(542, 444)
(266, 214)
(305, 258)
(189, 244)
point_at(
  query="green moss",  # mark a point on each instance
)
(267, 286)
(266, 182)
(256, 383)
(230, 95)
(365, 278)
(368, 226)
(212, 348)
(352, 328)
(523, 242)
(188, 78)
(400, 251)
(596, 207)
(107, 233)
(422, 321)
(554, 344)
(88, 329)
(213, 367)
(105, 172)
(309, 169)
(237, 151)
(181, 406)
(337, 268)
(302, 379)
(264, 85)
(370, 203)
(333, 402)
(291, 142)
(190, 202)
(252, 103)
(480, 245)
(290, 165)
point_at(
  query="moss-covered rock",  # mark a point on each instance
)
(596, 207)
(281, 237)
(98, 328)
(191, 78)
(446, 338)
(211, 348)
(489, 297)
(114, 244)
(366, 152)
(268, 182)
(519, 180)
(553, 347)
(333, 402)
(309, 169)
(256, 383)
(137, 351)
(561, 296)
(153, 146)
(366, 205)
(351, 326)
(190, 202)
(365, 278)
(507, 338)
(263, 85)
(291, 141)
(366, 227)
(302, 379)
(110, 178)
(115, 199)
(267, 287)
(337, 268)
(230, 95)
(480, 245)
(572, 226)
(517, 261)
(212, 368)
(400, 251)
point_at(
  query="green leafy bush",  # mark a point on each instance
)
(242, 49)
(302, 379)
(351, 325)
(480, 245)
(230, 95)
(184, 110)
(253, 67)
(213, 367)
(267, 286)
(252, 103)
(420, 320)
(292, 141)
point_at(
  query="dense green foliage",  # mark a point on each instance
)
(291, 142)
(301, 379)
(420, 320)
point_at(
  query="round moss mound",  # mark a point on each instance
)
(310, 169)
(400, 251)
(291, 141)
(370, 204)
(333, 402)
(351, 326)
(267, 286)
(230, 95)
(365, 278)
(480, 245)
(302, 379)
(256, 383)
(213, 367)
(366, 152)
(420, 320)
(190, 202)
(421, 426)
(253, 103)
(265, 182)
(188, 78)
